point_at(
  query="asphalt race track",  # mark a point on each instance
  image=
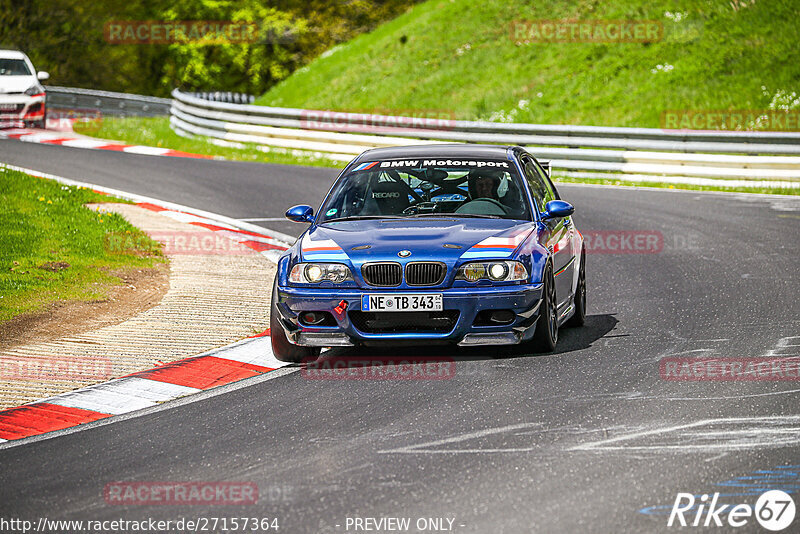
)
(590, 438)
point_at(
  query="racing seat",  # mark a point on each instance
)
(386, 198)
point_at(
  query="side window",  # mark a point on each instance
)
(536, 183)
(551, 190)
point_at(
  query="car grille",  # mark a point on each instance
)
(438, 322)
(427, 273)
(387, 274)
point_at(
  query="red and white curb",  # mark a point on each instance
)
(144, 389)
(72, 140)
(266, 245)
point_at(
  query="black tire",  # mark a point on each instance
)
(579, 318)
(281, 347)
(546, 335)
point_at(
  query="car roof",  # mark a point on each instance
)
(12, 54)
(455, 150)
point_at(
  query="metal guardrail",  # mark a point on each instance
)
(341, 136)
(106, 102)
(505, 133)
(222, 96)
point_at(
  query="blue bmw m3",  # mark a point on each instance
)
(426, 244)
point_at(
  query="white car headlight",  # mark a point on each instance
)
(314, 273)
(34, 90)
(497, 271)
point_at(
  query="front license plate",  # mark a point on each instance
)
(427, 302)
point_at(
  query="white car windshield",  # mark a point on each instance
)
(483, 188)
(13, 67)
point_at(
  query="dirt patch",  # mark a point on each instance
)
(54, 266)
(141, 290)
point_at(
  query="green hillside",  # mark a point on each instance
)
(459, 57)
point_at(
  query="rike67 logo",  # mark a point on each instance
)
(774, 510)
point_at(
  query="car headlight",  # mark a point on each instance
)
(314, 273)
(34, 90)
(496, 271)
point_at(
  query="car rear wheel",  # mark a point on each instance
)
(579, 318)
(281, 347)
(546, 335)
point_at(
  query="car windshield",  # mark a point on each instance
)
(428, 188)
(13, 67)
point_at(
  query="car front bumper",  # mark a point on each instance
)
(17, 109)
(523, 300)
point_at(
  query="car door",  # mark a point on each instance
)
(559, 232)
(566, 248)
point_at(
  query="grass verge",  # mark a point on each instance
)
(52, 248)
(468, 59)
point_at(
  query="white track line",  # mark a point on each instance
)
(146, 150)
(255, 351)
(83, 143)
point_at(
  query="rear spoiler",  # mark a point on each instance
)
(545, 165)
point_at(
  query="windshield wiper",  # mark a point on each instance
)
(456, 215)
(362, 217)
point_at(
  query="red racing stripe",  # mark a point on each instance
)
(262, 334)
(203, 372)
(217, 228)
(151, 207)
(54, 141)
(117, 148)
(321, 249)
(34, 419)
(259, 246)
(179, 154)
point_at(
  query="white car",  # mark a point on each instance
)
(22, 97)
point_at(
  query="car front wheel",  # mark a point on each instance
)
(579, 318)
(546, 335)
(282, 349)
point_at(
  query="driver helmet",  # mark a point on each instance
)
(484, 183)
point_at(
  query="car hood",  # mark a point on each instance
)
(433, 239)
(16, 84)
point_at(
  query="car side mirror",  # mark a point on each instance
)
(301, 214)
(42, 75)
(557, 209)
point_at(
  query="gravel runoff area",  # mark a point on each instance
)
(218, 293)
